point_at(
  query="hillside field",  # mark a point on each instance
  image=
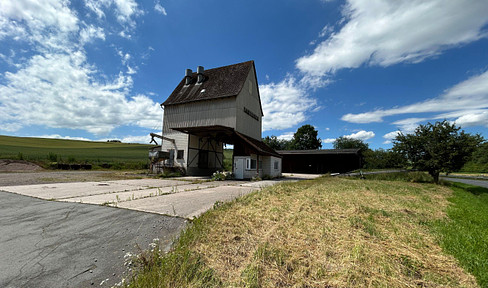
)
(44, 151)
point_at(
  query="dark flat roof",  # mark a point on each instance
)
(319, 152)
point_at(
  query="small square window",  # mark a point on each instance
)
(180, 154)
(250, 164)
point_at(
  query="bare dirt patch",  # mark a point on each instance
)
(7, 165)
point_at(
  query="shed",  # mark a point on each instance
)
(320, 161)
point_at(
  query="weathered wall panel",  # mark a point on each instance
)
(247, 123)
(221, 112)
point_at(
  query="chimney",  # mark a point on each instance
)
(200, 74)
(188, 73)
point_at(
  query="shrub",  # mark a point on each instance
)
(218, 176)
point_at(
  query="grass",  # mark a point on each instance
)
(465, 233)
(228, 159)
(327, 232)
(44, 151)
(416, 177)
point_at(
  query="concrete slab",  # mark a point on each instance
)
(187, 204)
(56, 244)
(57, 191)
(114, 198)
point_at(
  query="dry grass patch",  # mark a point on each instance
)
(331, 232)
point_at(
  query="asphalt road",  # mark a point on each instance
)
(481, 183)
(57, 244)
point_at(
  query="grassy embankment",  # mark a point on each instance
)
(45, 151)
(332, 232)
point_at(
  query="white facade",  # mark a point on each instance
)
(246, 167)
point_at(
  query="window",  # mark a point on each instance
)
(250, 164)
(276, 165)
(180, 154)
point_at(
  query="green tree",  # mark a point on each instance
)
(277, 144)
(306, 139)
(436, 148)
(479, 160)
(350, 143)
(382, 159)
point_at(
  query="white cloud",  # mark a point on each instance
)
(286, 136)
(285, 104)
(328, 140)
(361, 135)
(466, 102)
(91, 33)
(45, 24)
(60, 91)
(160, 9)
(57, 87)
(126, 9)
(387, 32)
(143, 139)
(96, 7)
(57, 136)
(390, 136)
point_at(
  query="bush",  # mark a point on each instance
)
(218, 176)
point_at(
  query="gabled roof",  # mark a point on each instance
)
(218, 83)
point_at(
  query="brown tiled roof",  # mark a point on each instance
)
(259, 146)
(219, 82)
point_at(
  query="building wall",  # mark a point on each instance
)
(220, 112)
(266, 166)
(269, 167)
(214, 155)
(248, 99)
(181, 143)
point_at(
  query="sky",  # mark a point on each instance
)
(99, 69)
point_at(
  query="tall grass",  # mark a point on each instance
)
(328, 232)
(465, 233)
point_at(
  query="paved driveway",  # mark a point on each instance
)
(481, 183)
(55, 244)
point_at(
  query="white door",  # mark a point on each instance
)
(239, 168)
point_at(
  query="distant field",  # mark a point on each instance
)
(44, 151)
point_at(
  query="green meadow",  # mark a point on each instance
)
(44, 151)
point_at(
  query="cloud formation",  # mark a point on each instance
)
(160, 9)
(285, 104)
(384, 33)
(466, 103)
(57, 86)
(361, 135)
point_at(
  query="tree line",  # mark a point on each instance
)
(434, 148)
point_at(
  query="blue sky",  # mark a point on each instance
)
(98, 69)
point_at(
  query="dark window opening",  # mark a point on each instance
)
(180, 154)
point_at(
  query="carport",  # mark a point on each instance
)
(320, 161)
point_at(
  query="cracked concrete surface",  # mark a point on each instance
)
(56, 244)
